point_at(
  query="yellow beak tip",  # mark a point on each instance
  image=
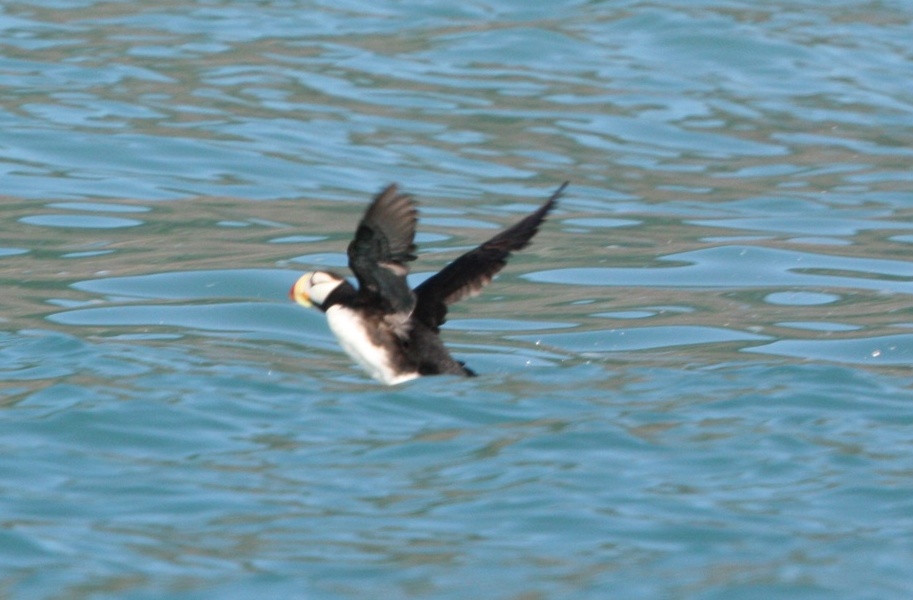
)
(299, 296)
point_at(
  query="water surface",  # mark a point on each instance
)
(694, 384)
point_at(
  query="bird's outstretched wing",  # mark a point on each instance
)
(467, 275)
(381, 250)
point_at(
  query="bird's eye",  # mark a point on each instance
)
(320, 278)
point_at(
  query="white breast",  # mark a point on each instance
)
(350, 330)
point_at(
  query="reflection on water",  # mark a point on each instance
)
(694, 383)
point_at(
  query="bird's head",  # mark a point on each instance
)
(313, 289)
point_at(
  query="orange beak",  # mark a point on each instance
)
(299, 294)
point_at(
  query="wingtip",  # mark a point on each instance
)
(391, 193)
(553, 199)
(400, 204)
(560, 191)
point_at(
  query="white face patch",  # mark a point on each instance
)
(315, 287)
(350, 330)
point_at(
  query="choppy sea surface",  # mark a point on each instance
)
(694, 384)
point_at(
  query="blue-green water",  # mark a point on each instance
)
(695, 383)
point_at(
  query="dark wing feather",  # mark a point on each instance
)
(382, 248)
(467, 275)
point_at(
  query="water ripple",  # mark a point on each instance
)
(747, 267)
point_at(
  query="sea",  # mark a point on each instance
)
(695, 383)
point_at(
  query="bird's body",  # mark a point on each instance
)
(368, 345)
(387, 328)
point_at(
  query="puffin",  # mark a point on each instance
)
(389, 329)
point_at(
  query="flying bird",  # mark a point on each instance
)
(390, 330)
